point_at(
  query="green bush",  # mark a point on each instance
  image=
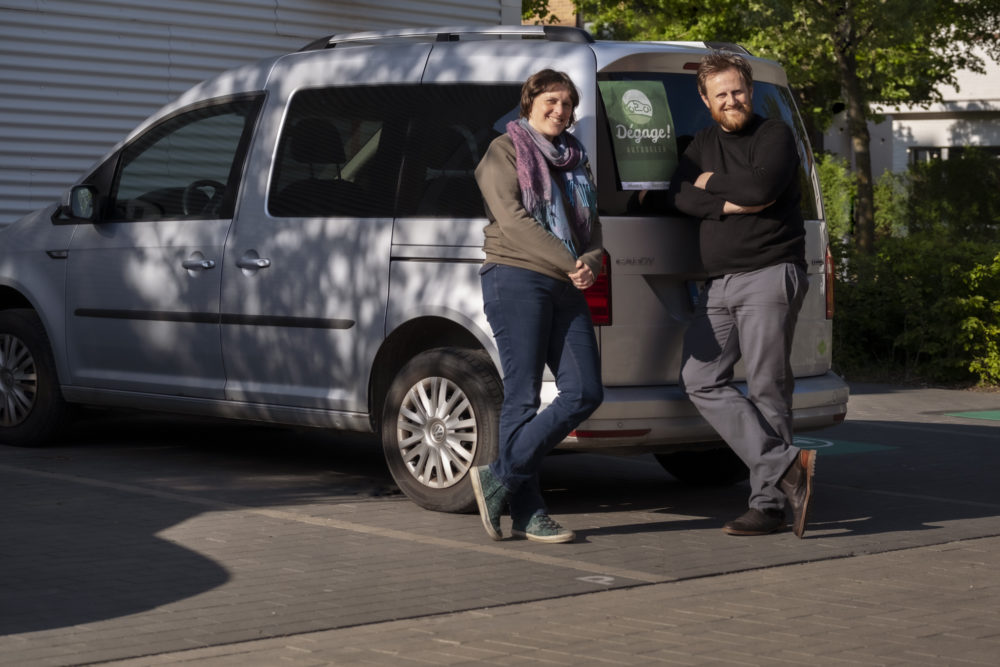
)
(892, 202)
(837, 186)
(926, 305)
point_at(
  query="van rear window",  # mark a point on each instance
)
(637, 155)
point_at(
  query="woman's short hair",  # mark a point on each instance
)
(544, 81)
(720, 61)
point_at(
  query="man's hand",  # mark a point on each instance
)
(729, 208)
(583, 277)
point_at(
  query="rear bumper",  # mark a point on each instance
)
(634, 420)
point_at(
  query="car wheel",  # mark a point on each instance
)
(718, 466)
(32, 409)
(441, 417)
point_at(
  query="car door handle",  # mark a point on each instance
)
(253, 263)
(196, 264)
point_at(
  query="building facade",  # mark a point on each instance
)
(76, 77)
(969, 115)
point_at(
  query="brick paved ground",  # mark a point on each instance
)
(225, 544)
(926, 606)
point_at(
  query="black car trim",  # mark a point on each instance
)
(213, 318)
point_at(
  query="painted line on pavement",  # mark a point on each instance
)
(352, 526)
(993, 415)
(837, 447)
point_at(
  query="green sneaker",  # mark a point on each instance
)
(542, 528)
(491, 496)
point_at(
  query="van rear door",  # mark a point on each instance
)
(655, 261)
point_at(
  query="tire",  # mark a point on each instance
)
(718, 466)
(440, 418)
(32, 409)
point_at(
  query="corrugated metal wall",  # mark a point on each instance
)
(76, 76)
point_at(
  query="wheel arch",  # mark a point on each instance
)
(33, 409)
(407, 341)
(12, 298)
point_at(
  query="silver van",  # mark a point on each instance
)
(298, 241)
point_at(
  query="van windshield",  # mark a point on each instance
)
(651, 117)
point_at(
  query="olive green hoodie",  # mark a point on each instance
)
(513, 236)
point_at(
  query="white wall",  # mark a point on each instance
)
(76, 76)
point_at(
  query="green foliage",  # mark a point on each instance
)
(838, 190)
(537, 11)
(982, 329)
(892, 204)
(926, 304)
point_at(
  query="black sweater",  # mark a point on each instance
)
(754, 166)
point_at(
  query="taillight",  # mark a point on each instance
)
(599, 295)
(829, 284)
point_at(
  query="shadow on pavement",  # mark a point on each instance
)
(877, 478)
(72, 553)
(77, 553)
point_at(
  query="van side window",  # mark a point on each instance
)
(391, 150)
(689, 114)
(339, 153)
(447, 139)
(186, 167)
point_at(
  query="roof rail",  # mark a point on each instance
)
(728, 46)
(552, 33)
(717, 46)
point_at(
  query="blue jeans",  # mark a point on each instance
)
(538, 321)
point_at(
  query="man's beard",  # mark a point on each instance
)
(734, 122)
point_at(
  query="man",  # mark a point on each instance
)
(740, 176)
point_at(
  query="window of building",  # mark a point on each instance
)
(922, 154)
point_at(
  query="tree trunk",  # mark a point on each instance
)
(864, 210)
(857, 125)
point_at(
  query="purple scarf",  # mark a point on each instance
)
(542, 163)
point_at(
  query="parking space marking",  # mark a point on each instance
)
(993, 415)
(836, 447)
(287, 515)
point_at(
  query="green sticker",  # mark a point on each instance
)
(642, 131)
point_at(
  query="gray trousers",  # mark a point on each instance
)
(750, 316)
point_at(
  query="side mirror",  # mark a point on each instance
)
(83, 202)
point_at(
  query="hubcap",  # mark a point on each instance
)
(437, 432)
(18, 381)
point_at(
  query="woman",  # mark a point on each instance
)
(543, 247)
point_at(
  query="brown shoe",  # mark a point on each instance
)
(797, 484)
(756, 522)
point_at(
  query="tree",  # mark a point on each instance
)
(850, 54)
(537, 11)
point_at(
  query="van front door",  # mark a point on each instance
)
(143, 281)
